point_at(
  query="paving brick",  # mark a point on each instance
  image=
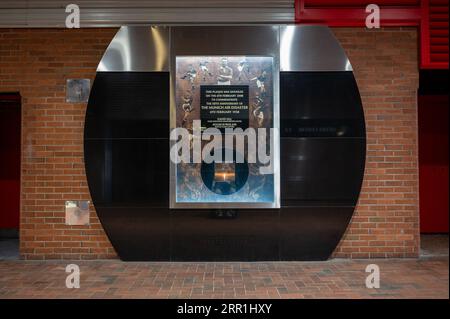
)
(400, 278)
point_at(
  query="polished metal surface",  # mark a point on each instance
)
(137, 49)
(227, 41)
(77, 212)
(77, 90)
(300, 48)
(311, 48)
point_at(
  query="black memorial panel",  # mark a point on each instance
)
(138, 233)
(312, 233)
(323, 144)
(128, 105)
(321, 171)
(322, 166)
(128, 172)
(225, 235)
(126, 150)
(320, 104)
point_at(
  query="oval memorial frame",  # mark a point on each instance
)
(320, 153)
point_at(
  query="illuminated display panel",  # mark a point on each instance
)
(214, 94)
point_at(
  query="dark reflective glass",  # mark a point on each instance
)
(138, 233)
(321, 171)
(311, 233)
(128, 105)
(128, 172)
(325, 104)
(251, 235)
(294, 233)
(322, 166)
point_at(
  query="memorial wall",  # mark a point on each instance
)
(255, 141)
(130, 177)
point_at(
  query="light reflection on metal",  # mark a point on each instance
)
(311, 49)
(137, 49)
(285, 47)
(301, 48)
(161, 48)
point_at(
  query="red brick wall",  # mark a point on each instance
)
(386, 221)
(37, 62)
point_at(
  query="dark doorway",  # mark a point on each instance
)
(433, 151)
(10, 129)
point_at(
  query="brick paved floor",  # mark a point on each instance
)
(407, 278)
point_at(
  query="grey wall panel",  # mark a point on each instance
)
(148, 3)
(113, 13)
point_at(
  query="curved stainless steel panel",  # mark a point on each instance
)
(302, 48)
(137, 49)
(311, 48)
(225, 40)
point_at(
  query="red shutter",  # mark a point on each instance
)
(430, 15)
(346, 13)
(434, 34)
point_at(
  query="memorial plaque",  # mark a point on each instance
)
(223, 106)
(219, 97)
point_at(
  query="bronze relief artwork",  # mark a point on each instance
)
(224, 92)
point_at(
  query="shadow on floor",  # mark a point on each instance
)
(433, 245)
(9, 248)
